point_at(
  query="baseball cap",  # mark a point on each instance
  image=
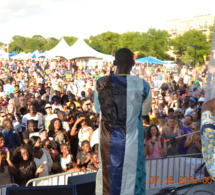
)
(192, 99)
(48, 106)
(40, 131)
(37, 95)
(4, 103)
(161, 115)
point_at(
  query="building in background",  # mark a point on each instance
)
(178, 27)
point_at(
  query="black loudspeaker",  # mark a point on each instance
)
(85, 184)
(42, 190)
(184, 189)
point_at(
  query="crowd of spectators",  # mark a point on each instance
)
(48, 124)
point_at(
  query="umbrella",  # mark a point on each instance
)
(150, 60)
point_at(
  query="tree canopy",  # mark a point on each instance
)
(155, 43)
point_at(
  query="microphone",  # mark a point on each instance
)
(199, 168)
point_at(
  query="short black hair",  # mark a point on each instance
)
(124, 56)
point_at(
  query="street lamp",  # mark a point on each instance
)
(194, 46)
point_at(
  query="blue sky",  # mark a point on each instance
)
(82, 18)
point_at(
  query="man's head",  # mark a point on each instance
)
(124, 60)
(188, 120)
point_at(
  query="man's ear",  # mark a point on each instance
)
(114, 62)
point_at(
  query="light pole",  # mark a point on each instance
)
(194, 46)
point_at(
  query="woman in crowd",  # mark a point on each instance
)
(193, 142)
(57, 132)
(155, 145)
(25, 167)
(41, 155)
(84, 133)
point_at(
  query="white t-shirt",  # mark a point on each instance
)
(38, 120)
(65, 126)
(47, 120)
(46, 161)
(95, 138)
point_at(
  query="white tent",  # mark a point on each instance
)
(80, 49)
(3, 54)
(61, 49)
(22, 56)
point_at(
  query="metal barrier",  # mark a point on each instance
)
(179, 169)
(56, 179)
(159, 172)
(3, 188)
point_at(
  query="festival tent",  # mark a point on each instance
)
(150, 60)
(61, 49)
(3, 54)
(34, 54)
(13, 54)
(22, 56)
(80, 49)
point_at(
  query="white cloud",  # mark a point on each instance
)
(82, 18)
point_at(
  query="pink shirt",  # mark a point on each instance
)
(156, 152)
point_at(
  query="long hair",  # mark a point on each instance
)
(17, 157)
(148, 134)
(32, 141)
(51, 127)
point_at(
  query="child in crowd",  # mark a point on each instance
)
(32, 130)
(94, 163)
(83, 157)
(66, 159)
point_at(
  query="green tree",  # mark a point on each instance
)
(70, 40)
(40, 38)
(189, 41)
(50, 43)
(106, 42)
(186, 58)
(18, 43)
(157, 43)
(33, 44)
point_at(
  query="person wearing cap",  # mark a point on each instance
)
(192, 102)
(47, 92)
(49, 116)
(161, 123)
(40, 104)
(4, 106)
(72, 99)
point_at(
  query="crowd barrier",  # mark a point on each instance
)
(159, 172)
(3, 188)
(57, 179)
(179, 169)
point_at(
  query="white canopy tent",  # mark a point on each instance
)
(80, 49)
(61, 49)
(22, 56)
(3, 54)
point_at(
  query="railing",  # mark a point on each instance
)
(3, 188)
(159, 172)
(178, 169)
(56, 179)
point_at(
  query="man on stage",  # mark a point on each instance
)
(121, 99)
